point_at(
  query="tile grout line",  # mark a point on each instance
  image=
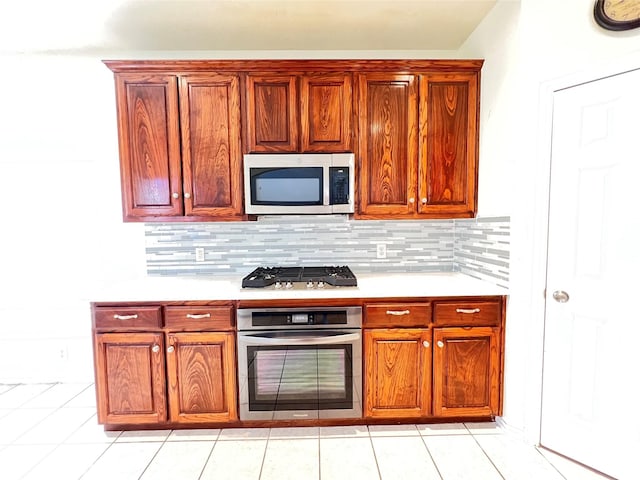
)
(206, 462)
(485, 453)
(375, 457)
(433, 460)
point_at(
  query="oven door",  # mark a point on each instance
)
(300, 374)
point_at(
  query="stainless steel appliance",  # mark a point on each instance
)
(300, 363)
(300, 277)
(299, 183)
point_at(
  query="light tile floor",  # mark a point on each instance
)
(49, 431)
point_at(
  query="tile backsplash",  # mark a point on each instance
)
(477, 247)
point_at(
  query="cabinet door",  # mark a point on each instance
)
(466, 371)
(272, 113)
(201, 373)
(211, 148)
(397, 372)
(149, 138)
(448, 144)
(130, 378)
(325, 108)
(388, 116)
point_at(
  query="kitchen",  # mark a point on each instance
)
(81, 220)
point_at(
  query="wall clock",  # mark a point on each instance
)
(617, 14)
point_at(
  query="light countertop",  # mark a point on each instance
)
(201, 288)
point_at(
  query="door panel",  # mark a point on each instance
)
(466, 371)
(325, 104)
(590, 339)
(149, 145)
(210, 114)
(200, 369)
(388, 143)
(130, 378)
(397, 372)
(272, 113)
(448, 119)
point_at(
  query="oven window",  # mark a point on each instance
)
(286, 186)
(317, 377)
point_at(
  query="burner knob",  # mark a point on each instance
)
(310, 284)
(288, 285)
(278, 285)
(320, 284)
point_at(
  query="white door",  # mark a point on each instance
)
(591, 394)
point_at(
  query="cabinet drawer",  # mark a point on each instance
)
(125, 318)
(199, 318)
(467, 313)
(397, 315)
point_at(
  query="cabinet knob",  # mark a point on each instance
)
(426, 344)
(175, 195)
(155, 348)
(440, 343)
(412, 200)
(561, 296)
(170, 349)
(187, 195)
(424, 200)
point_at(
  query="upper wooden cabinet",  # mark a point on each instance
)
(388, 138)
(272, 113)
(418, 141)
(448, 144)
(184, 125)
(179, 164)
(211, 146)
(299, 113)
(148, 130)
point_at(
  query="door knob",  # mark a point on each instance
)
(561, 296)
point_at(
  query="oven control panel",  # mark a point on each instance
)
(318, 317)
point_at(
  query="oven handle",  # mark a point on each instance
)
(322, 340)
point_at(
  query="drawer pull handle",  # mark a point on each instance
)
(198, 316)
(467, 310)
(125, 317)
(398, 312)
(440, 343)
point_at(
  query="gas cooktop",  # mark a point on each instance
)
(305, 277)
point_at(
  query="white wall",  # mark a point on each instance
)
(554, 45)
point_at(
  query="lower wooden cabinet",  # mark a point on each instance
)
(201, 377)
(466, 371)
(130, 378)
(397, 372)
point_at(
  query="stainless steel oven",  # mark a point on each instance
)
(300, 363)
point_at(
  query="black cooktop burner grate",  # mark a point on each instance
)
(261, 277)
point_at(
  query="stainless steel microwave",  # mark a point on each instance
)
(298, 183)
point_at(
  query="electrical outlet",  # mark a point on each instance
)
(381, 250)
(199, 254)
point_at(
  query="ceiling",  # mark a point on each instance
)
(103, 26)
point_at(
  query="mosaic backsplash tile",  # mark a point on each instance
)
(236, 248)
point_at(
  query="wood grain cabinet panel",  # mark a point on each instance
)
(397, 372)
(149, 145)
(325, 110)
(199, 318)
(449, 144)
(201, 377)
(211, 145)
(397, 315)
(127, 318)
(388, 142)
(130, 378)
(467, 314)
(180, 146)
(466, 371)
(272, 113)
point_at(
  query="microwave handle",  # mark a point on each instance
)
(302, 340)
